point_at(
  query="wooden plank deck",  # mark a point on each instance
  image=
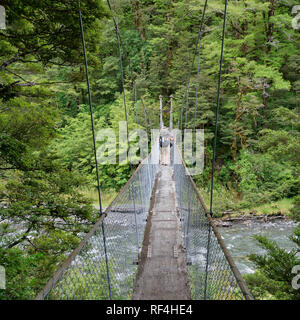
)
(162, 272)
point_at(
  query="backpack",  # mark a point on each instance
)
(164, 141)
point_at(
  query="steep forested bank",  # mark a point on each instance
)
(46, 158)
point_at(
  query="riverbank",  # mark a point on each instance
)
(269, 212)
(107, 196)
(229, 220)
(239, 240)
(229, 209)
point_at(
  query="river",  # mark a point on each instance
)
(240, 243)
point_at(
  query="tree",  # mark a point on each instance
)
(42, 213)
(273, 278)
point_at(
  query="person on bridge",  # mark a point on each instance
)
(164, 142)
(171, 149)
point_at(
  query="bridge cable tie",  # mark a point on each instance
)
(94, 144)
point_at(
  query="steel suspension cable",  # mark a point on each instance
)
(215, 147)
(94, 145)
(126, 119)
(122, 72)
(122, 46)
(191, 68)
(135, 103)
(198, 72)
(188, 87)
(217, 111)
(126, 57)
(146, 116)
(136, 110)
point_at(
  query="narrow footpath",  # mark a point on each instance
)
(162, 272)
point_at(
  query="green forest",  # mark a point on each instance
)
(47, 167)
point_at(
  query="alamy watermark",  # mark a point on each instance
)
(138, 146)
(2, 18)
(295, 280)
(2, 277)
(296, 19)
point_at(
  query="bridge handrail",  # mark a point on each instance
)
(241, 282)
(59, 273)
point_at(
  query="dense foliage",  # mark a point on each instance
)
(273, 277)
(46, 157)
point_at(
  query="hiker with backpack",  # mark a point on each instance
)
(164, 142)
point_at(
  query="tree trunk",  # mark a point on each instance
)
(139, 18)
(270, 26)
(235, 128)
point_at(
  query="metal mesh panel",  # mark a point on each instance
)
(210, 274)
(106, 259)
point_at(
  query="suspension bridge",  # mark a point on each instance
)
(157, 239)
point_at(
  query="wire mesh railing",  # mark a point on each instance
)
(212, 272)
(104, 264)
